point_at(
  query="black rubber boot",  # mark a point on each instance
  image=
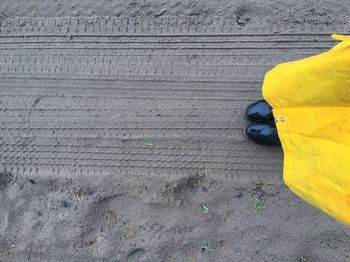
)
(263, 134)
(259, 111)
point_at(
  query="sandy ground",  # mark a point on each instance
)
(122, 131)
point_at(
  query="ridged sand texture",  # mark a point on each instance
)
(115, 130)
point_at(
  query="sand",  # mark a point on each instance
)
(122, 131)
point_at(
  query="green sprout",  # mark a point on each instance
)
(204, 208)
(259, 204)
(302, 259)
(147, 145)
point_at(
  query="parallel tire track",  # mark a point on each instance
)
(103, 94)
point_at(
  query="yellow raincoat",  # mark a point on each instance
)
(311, 104)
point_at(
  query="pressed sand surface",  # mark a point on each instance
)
(122, 131)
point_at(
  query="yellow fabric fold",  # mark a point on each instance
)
(311, 101)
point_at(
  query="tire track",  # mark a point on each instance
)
(95, 95)
(173, 26)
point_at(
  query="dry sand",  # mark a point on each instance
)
(122, 131)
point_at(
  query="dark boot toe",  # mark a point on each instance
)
(263, 134)
(259, 111)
